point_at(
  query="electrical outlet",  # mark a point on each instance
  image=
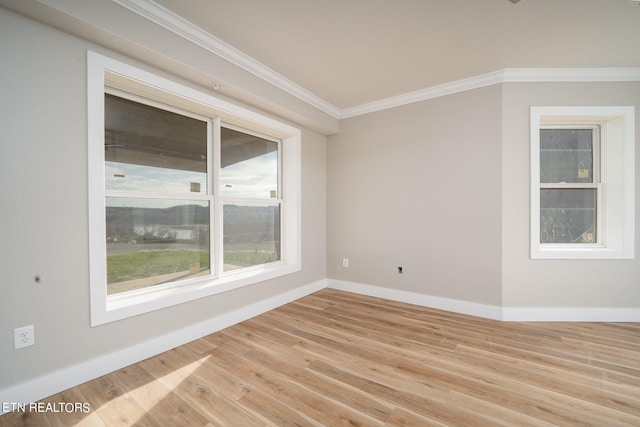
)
(23, 337)
(345, 262)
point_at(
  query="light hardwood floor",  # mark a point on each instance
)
(340, 359)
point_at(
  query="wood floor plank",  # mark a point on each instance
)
(162, 406)
(529, 400)
(492, 414)
(555, 356)
(318, 407)
(554, 350)
(623, 398)
(401, 417)
(112, 404)
(363, 328)
(72, 410)
(218, 408)
(618, 356)
(274, 411)
(335, 358)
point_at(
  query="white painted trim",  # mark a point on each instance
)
(570, 314)
(54, 382)
(449, 88)
(506, 314)
(508, 75)
(152, 11)
(163, 17)
(618, 162)
(104, 71)
(464, 307)
(541, 75)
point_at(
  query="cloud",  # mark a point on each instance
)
(131, 177)
(253, 178)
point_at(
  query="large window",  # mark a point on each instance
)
(582, 182)
(189, 195)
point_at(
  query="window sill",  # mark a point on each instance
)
(579, 252)
(141, 301)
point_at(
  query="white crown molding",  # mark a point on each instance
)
(541, 75)
(161, 16)
(425, 94)
(509, 75)
(152, 11)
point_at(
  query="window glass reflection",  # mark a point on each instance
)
(251, 234)
(568, 216)
(154, 241)
(153, 150)
(249, 166)
(566, 155)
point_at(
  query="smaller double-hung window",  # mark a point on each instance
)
(158, 204)
(582, 182)
(570, 189)
(249, 182)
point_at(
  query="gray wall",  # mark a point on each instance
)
(558, 283)
(420, 186)
(43, 172)
(442, 188)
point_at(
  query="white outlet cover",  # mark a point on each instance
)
(23, 337)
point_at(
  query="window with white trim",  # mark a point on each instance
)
(189, 195)
(582, 182)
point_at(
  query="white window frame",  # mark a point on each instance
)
(107, 74)
(222, 199)
(615, 186)
(595, 185)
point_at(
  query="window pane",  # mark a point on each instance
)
(154, 241)
(568, 216)
(153, 150)
(566, 155)
(251, 234)
(249, 166)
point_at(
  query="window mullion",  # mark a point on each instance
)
(567, 185)
(600, 213)
(152, 195)
(597, 180)
(283, 229)
(217, 232)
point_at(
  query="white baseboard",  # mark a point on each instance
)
(447, 304)
(507, 314)
(570, 314)
(55, 382)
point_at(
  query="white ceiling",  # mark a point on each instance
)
(351, 52)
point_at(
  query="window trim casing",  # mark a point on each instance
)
(617, 140)
(102, 72)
